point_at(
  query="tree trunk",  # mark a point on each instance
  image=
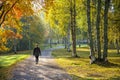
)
(71, 24)
(29, 45)
(58, 41)
(92, 56)
(105, 30)
(68, 40)
(73, 27)
(95, 45)
(15, 46)
(98, 29)
(50, 43)
(65, 42)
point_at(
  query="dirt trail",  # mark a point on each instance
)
(46, 69)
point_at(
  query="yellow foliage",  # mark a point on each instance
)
(19, 36)
(3, 48)
(18, 12)
(5, 35)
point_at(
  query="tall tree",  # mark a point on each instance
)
(68, 39)
(98, 29)
(73, 26)
(64, 12)
(107, 2)
(10, 14)
(92, 56)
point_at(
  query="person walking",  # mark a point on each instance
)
(37, 53)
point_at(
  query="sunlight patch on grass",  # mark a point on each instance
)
(10, 59)
(80, 69)
(7, 64)
(82, 49)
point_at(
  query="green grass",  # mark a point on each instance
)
(81, 69)
(7, 62)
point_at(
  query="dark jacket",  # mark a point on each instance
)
(37, 51)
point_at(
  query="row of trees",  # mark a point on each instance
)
(102, 27)
(93, 20)
(96, 17)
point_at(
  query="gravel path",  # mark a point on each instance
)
(46, 69)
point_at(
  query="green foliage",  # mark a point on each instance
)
(33, 32)
(114, 21)
(59, 14)
(37, 29)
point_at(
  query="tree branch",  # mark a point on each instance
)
(3, 16)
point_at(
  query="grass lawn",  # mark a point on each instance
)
(81, 69)
(7, 62)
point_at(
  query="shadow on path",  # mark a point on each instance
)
(46, 69)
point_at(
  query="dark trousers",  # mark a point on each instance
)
(36, 59)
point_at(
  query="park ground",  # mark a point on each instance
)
(78, 68)
(81, 69)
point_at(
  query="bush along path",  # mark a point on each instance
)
(46, 69)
